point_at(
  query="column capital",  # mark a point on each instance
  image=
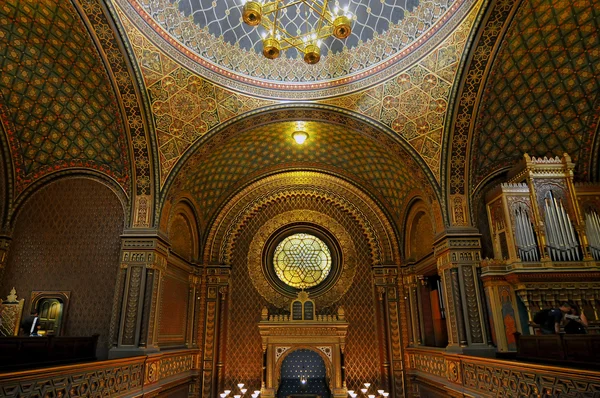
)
(144, 250)
(384, 275)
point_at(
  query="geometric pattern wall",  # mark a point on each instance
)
(211, 177)
(243, 355)
(414, 103)
(184, 105)
(67, 238)
(56, 102)
(542, 96)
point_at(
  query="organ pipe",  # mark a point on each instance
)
(524, 236)
(563, 244)
(592, 225)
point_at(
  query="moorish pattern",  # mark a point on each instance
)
(542, 94)
(57, 104)
(210, 176)
(184, 105)
(414, 104)
(370, 49)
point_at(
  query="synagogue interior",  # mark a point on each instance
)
(300, 198)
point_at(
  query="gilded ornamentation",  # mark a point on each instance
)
(473, 78)
(514, 119)
(184, 105)
(219, 164)
(279, 351)
(414, 103)
(242, 206)
(97, 380)
(138, 135)
(59, 110)
(257, 246)
(327, 351)
(385, 52)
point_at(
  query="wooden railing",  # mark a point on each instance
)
(125, 377)
(575, 349)
(434, 369)
(29, 352)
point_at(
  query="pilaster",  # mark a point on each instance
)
(217, 281)
(386, 281)
(458, 255)
(143, 263)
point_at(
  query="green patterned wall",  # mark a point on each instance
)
(56, 100)
(211, 177)
(542, 96)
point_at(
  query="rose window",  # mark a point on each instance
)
(302, 261)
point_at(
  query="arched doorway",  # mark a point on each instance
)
(303, 374)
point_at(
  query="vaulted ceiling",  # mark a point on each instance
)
(167, 98)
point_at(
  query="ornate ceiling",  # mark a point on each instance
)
(211, 176)
(57, 105)
(154, 96)
(543, 93)
(389, 37)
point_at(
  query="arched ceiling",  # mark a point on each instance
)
(215, 172)
(57, 106)
(543, 93)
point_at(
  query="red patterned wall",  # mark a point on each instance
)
(67, 237)
(244, 353)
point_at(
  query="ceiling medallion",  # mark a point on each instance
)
(318, 23)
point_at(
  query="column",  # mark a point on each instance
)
(387, 282)
(411, 285)
(217, 277)
(193, 308)
(143, 262)
(458, 257)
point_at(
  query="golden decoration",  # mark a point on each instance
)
(255, 253)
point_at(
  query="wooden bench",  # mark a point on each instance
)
(29, 352)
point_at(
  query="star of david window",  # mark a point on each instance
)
(302, 261)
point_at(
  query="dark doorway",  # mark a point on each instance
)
(303, 374)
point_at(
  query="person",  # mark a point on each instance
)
(576, 321)
(31, 324)
(554, 318)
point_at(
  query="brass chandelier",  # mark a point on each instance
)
(328, 22)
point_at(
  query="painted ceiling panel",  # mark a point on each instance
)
(209, 177)
(542, 96)
(56, 101)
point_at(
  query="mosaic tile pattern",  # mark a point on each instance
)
(208, 177)
(542, 96)
(56, 101)
(243, 362)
